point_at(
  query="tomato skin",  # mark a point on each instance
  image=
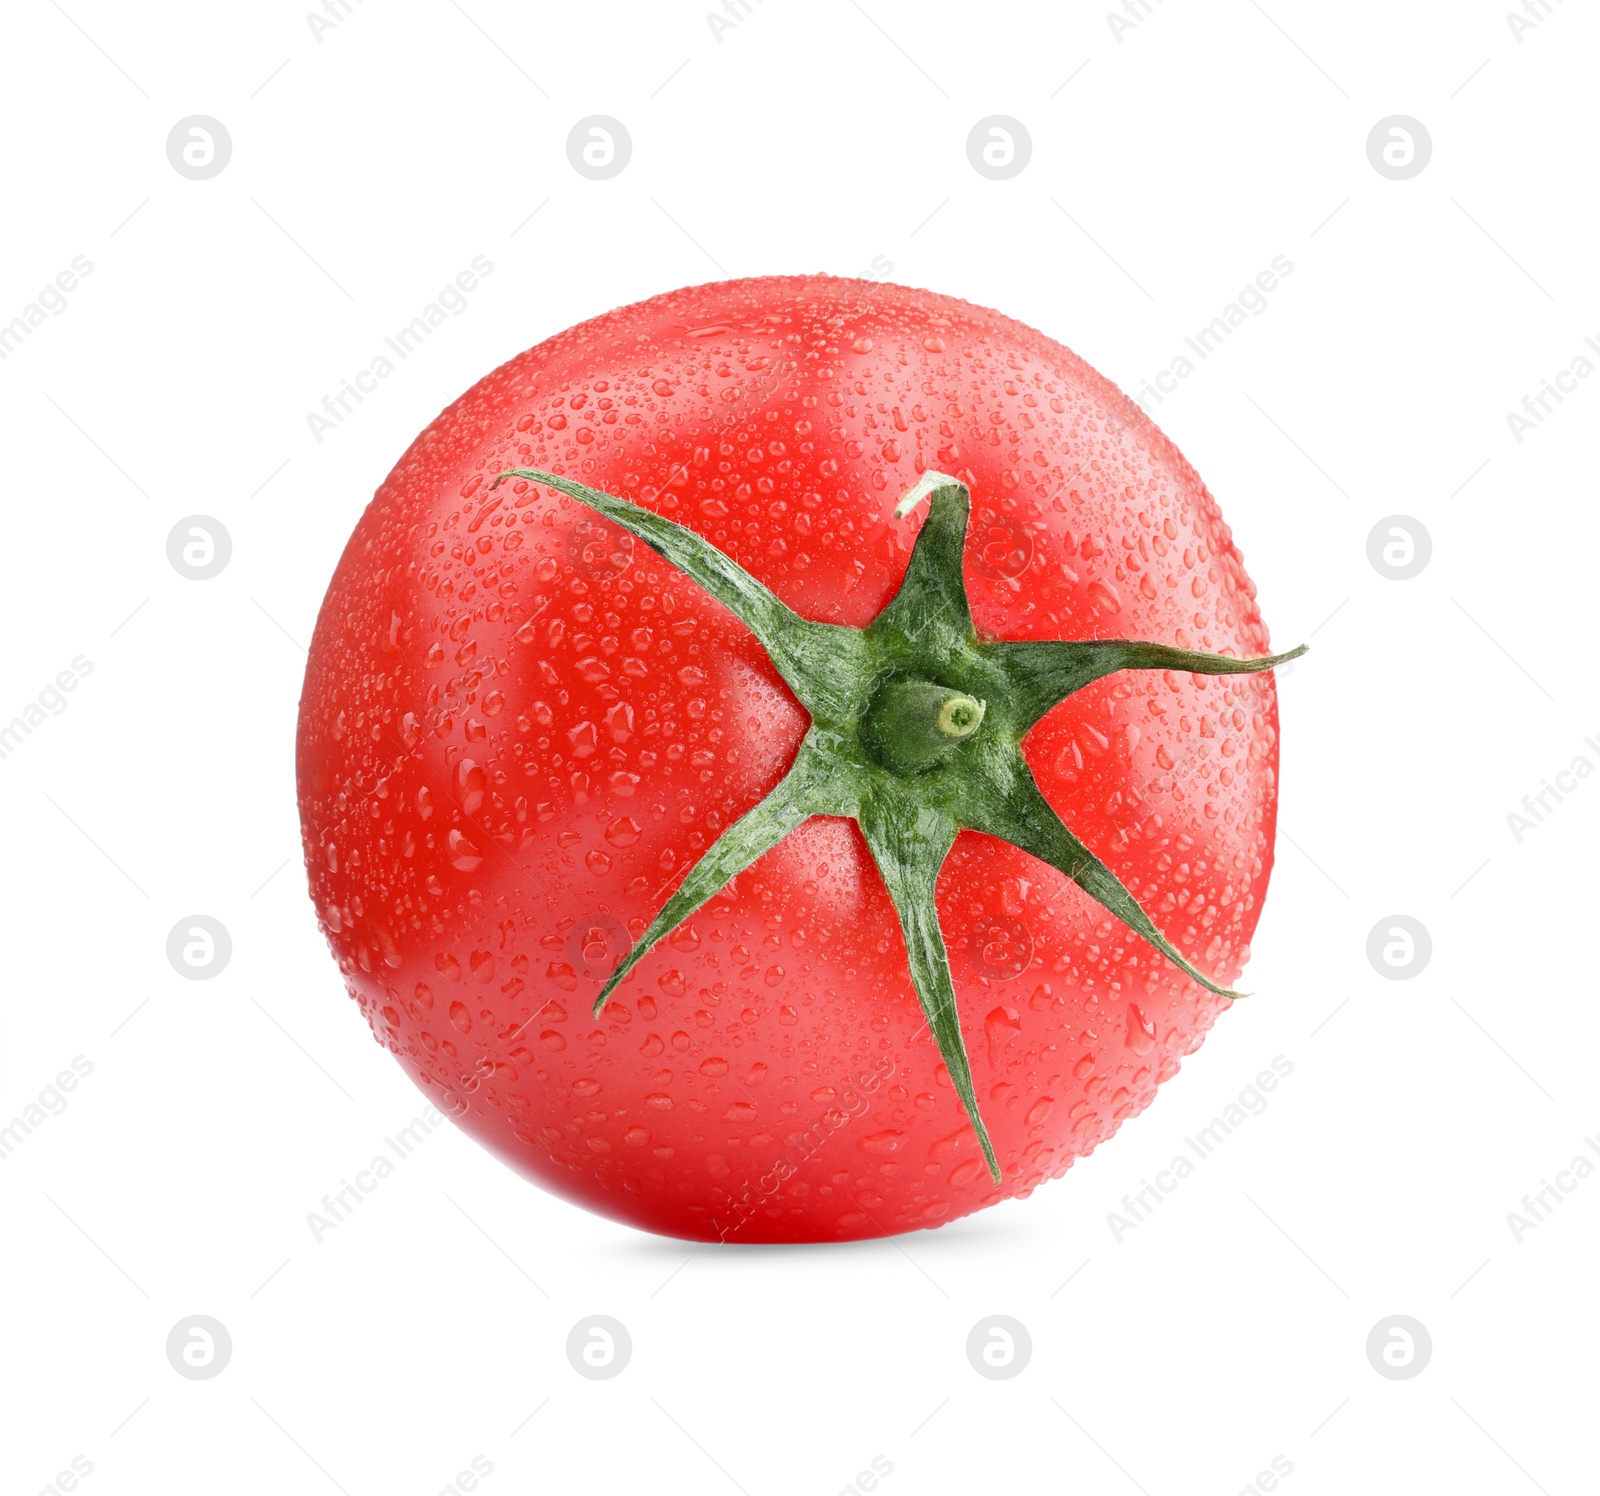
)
(518, 728)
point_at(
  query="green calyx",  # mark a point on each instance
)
(912, 725)
(916, 734)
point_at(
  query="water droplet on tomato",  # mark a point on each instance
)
(1104, 597)
(1141, 1036)
(890, 1140)
(463, 854)
(623, 833)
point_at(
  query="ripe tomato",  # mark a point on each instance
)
(521, 725)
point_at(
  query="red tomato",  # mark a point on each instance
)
(520, 725)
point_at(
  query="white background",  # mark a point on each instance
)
(1168, 168)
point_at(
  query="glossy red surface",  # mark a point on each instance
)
(519, 726)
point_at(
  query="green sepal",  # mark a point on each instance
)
(1027, 820)
(806, 790)
(930, 609)
(1045, 672)
(807, 655)
(910, 843)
